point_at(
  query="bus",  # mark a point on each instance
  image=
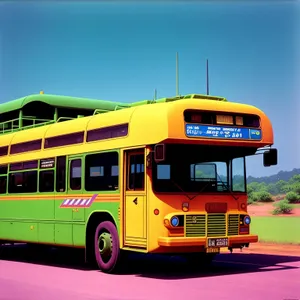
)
(156, 176)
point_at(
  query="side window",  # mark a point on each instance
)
(3, 179)
(102, 172)
(61, 174)
(46, 181)
(75, 174)
(163, 172)
(23, 182)
(238, 175)
(3, 184)
(136, 180)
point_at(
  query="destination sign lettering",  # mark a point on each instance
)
(222, 132)
(47, 163)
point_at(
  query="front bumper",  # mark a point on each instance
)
(202, 242)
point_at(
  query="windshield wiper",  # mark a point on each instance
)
(202, 189)
(226, 187)
(181, 189)
(185, 193)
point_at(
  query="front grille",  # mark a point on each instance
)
(195, 226)
(211, 225)
(233, 225)
(216, 225)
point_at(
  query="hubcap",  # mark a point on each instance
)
(105, 245)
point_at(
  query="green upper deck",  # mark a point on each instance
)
(61, 101)
(87, 103)
(42, 109)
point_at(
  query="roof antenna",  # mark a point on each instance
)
(207, 78)
(177, 79)
(155, 97)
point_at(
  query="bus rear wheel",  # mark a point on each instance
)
(107, 247)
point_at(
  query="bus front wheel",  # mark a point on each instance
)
(107, 247)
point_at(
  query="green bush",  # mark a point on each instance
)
(250, 200)
(253, 197)
(295, 187)
(292, 197)
(283, 207)
(264, 197)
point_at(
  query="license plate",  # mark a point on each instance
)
(212, 250)
(218, 242)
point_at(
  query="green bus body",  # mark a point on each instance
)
(41, 212)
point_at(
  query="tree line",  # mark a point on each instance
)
(277, 188)
(288, 192)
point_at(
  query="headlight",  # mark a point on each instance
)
(174, 221)
(247, 220)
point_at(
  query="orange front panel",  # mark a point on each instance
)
(162, 238)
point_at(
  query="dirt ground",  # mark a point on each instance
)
(273, 249)
(265, 209)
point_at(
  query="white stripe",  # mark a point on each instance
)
(72, 201)
(88, 202)
(78, 200)
(83, 201)
(66, 201)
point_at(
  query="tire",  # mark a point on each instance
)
(107, 247)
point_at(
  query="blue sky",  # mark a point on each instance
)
(122, 52)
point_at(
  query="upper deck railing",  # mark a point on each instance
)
(71, 103)
(14, 125)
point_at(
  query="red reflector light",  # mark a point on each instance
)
(196, 118)
(156, 211)
(244, 230)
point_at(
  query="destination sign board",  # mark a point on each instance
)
(222, 132)
(47, 163)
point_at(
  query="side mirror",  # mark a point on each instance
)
(270, 158)
(159, 152)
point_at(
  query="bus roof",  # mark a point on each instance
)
(61, 101)
(44, 109)
(92, 104)
(147, 124)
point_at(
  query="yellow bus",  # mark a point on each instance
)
(162, 176)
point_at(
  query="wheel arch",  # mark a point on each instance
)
(93, 221)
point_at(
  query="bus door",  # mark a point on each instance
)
(75, 187)
(135, 201)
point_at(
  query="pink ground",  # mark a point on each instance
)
(246, 276)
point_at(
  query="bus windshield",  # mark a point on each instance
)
(201, 169)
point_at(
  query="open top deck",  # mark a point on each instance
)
(43, 109)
